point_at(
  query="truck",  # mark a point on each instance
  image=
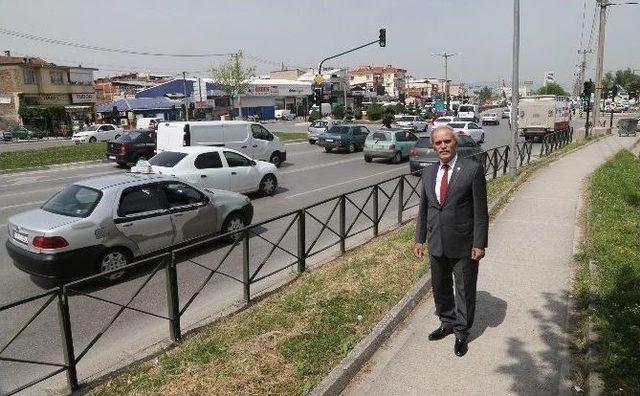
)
(540, 115)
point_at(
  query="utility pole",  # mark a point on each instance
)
(184, 92)
(515, 89)
(583, 70)
(599, 65)
(446, 57)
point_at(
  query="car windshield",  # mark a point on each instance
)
(424, 142)
(339, 130)
(379, 136)
(129, 137)
(319, 124)
(406, 119)
(457, 125)
(444, 119)
(465, 108)
(91, 128)
(74, 201)
(167, 159)
(490, 115)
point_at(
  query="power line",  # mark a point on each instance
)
(34, 37)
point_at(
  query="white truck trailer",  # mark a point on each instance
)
(542, 114)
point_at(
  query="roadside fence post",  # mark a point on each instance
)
(494, 162)
(302, 250)
(173, 304)
(343, 237)
(245, 267)
(67, 338)
(542, 144)
(376, 220)
(506, 160)
(400, 199)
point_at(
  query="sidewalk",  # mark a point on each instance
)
(517, 344)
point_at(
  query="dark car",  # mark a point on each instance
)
(25, 132)
(346, 137)
(424, 154)
(131, 147)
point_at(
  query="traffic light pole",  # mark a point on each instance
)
(344, 53)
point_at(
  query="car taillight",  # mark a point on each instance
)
(55, 242)
(392, 147)
(123, 148)
(413, 152)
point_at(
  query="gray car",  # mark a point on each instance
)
(102, 224)
(319, 127)
(424, 154)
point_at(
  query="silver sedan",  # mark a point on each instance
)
(101, 224)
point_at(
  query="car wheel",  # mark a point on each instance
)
(268, 185)
(352, 148)
(276, 159)
(116, 137)
(122, 164)
(312, 141)
(482, 138)
(234, 222)
(328, 149)
(368, 158)
(92, 139)
(397, 158)
(112, 260)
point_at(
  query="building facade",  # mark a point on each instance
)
(391, 78)
(45, 95)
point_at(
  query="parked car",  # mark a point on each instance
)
(148, 122)
(392, 144)
(444, 121)
(320, 126)
(24, 132)
(132, 146)
(423, 154)
(490, 118)
(469, 129)
(102, 224)
(348, 137)
(506, 113)
(413, 122)
(97, 133)
(250, 138)
(6, 136)
(217, 167)
(284, 115)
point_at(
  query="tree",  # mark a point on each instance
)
(338, 112)
(484, 94)
(627, 79)
(348, 114)
(233, 78)
(552, 89)
(374, 112)
(315, 115)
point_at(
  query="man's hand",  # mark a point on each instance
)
(477, 253)
(418, 250)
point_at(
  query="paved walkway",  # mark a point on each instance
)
(516, 343)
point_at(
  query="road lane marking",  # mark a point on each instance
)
(345, 182)
(56, 169)
(306, 168)
(30, 180)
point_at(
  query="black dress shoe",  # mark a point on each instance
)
(440, 333)
(460, 347)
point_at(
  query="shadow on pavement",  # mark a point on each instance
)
(490, 312)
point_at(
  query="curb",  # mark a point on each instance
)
(53, 166)
(341, 375)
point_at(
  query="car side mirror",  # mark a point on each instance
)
(253, 163)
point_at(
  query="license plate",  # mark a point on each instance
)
(329, 140)
(21, 237)
(112, 157)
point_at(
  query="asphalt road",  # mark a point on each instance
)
(309, 176)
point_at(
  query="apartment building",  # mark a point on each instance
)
(391, 78)
(43, 88)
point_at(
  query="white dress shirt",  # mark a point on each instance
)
(440, 173)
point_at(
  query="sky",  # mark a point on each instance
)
(301, 33)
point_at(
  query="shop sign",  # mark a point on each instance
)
(84, 98)
(5, 99)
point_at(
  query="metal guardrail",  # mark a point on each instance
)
(553, 141)
(402, 188)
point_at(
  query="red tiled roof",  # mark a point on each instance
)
(12, 60)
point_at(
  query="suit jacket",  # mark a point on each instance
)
(462, 221)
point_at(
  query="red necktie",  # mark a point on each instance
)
(444, 183)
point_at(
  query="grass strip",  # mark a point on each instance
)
(613, 242)
(288, 342)
(288, 136)
(52, 155)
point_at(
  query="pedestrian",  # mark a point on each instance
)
(453, 212)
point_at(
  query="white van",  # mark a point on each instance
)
(148, 122)
(249, 138)
(469, 112)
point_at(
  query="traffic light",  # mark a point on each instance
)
(588, 88)
(382, 38)
(317, 95)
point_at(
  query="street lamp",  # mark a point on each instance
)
(446, 57)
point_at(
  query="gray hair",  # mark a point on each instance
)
(439, 127)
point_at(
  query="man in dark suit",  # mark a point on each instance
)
(453, 211)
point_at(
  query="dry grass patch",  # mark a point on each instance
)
(286, 343)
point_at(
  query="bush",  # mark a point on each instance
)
(389, 110)
(314, 116)
(387, 120)
(374, 112)
(427, 114)
(348, 115)
(400, 108)
(338, 112)
(358, 114)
